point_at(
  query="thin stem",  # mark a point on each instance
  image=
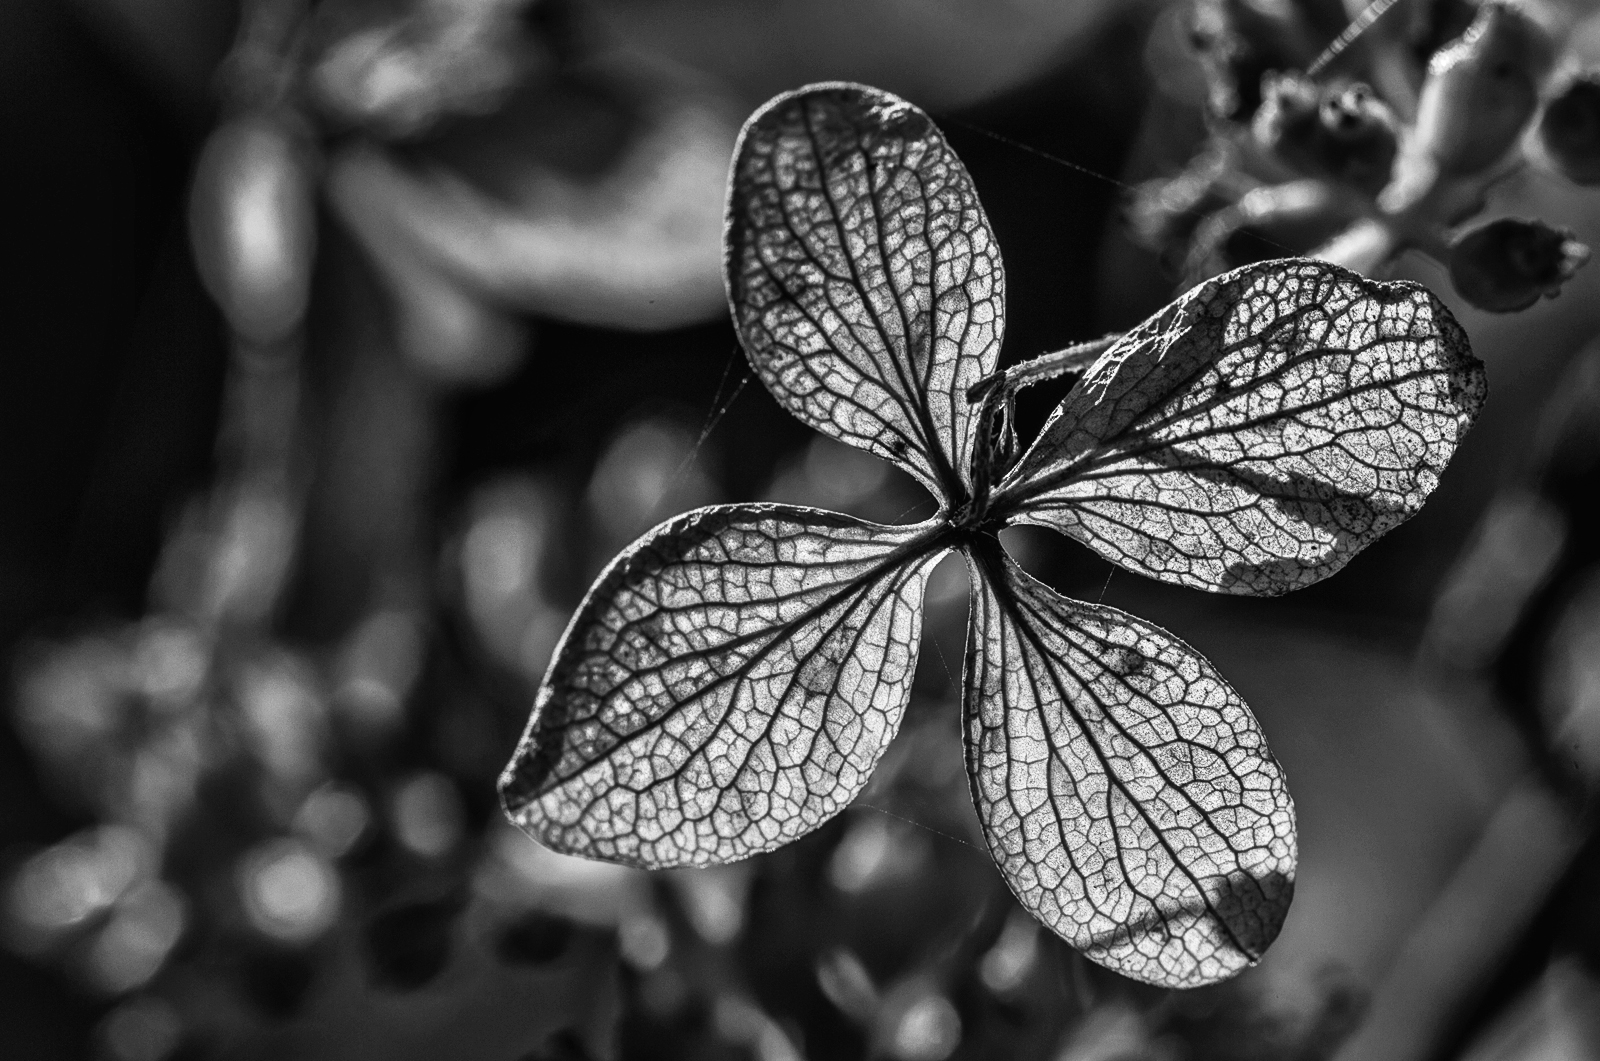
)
(1365, 247)
(1358, 25)
(1074, 358)
(997, 435)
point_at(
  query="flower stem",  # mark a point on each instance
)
(1073, 358)
(1364, 247)
(1358, 25)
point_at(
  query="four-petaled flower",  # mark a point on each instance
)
(731, 680)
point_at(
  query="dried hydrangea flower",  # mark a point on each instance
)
(732, 678)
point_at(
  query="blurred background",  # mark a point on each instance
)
(351, 339)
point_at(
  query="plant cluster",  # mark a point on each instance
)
(1390, 137)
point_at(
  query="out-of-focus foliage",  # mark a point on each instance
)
(1518, 612)
(1356, 143)
(1521, 603)
(258, 807)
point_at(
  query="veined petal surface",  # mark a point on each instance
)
(1258, 432)
(863, 277)
(727, 686)
(1125, 790)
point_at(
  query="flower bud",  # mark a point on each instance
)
(1570, 128)
(1508, 264)
(252, 224)
(1341, 132)
(1478, 96)
(1239, 41)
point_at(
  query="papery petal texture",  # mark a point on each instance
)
(863, 277)
(1257, 433)
(727, 686)
(1124, 788)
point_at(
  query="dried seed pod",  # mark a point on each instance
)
(252, 224)
(1507, 265)
(1570, 128)
(1341, 131)
(1479, 95)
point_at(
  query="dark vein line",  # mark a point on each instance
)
(1013, 604)
(1121, 785)
(906, 556)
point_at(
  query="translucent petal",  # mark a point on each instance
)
(862, 275)
(727, 686)
(1257, 433)
(1125, 790)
